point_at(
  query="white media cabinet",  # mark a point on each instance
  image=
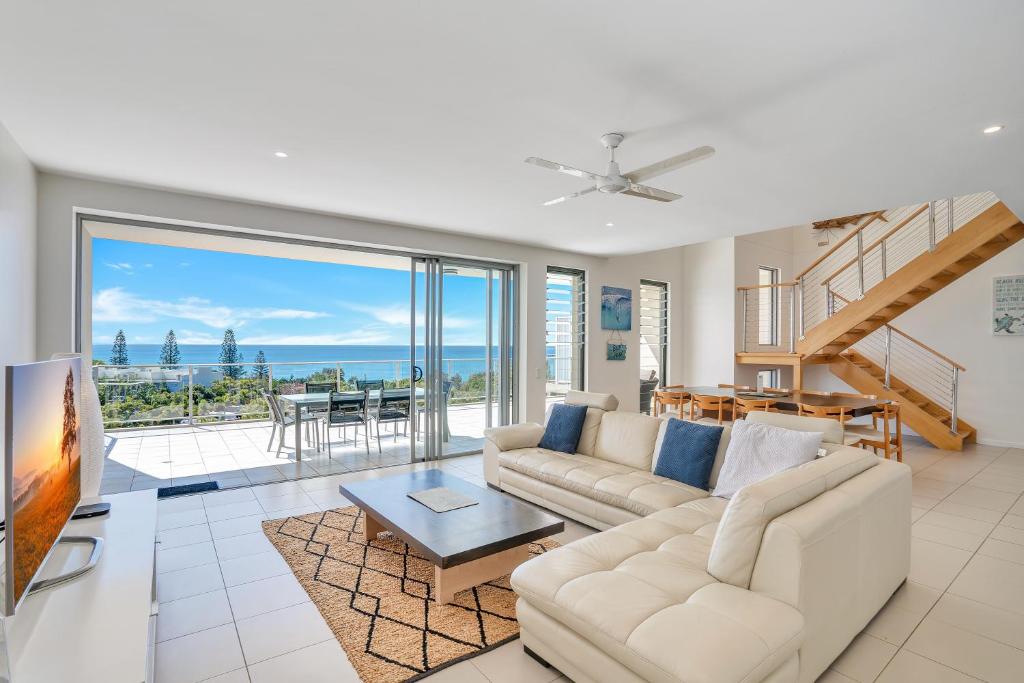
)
(100, 627)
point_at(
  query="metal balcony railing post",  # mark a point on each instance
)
(949, 217)
(885, 260)
(191, 419)
(743, 324)
(956, 391)
(931, 226)
(270, 378)
(888, 356)
(860, 262)
(830, 300)
(803, 322)
(792, 319)
(337, 376)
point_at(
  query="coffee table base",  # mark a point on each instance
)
(448, 582)
(451, 580)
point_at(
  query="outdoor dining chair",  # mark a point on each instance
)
(345, 410)
(281, 420)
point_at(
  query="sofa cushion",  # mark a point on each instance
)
(723, 446)
(687, 451)
(738, 537)
(757, 451)
(562, 432)
(627, 439)
(591, 425)
(592, 399)
(831, 430)
(638, 491)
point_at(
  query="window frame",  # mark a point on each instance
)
(664, 326)
(578, 376)
(775, 313)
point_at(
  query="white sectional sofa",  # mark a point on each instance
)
(770, 585)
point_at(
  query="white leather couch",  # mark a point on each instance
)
(771, 585)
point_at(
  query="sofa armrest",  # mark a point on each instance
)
(512, 437)
(507, 438)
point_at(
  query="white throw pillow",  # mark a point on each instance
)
(757, 451)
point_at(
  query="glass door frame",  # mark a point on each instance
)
(504, 383)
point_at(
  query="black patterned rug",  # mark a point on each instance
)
(377, 598)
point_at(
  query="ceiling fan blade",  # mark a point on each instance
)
(562, 168)
(570, 196)
(651, 193)
(670, 164)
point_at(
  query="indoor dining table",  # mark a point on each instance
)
(318, 401)
(789, 400)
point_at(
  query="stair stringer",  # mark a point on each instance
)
(927, 425)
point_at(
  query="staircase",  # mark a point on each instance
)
(838, 311)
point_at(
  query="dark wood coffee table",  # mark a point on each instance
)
(468, 546)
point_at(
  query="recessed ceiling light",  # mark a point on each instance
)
(609, 225)
(992, 130)
(281, 155)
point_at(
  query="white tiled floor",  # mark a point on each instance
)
(231, 611)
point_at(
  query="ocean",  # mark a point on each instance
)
(359, 361)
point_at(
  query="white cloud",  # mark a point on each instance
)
(355, 337)
(117, 305)
(398, 314)
(193, 337)
(126, 268)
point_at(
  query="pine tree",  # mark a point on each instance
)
(261, 370)
(119, 352)
(229, 354)
(169, 354)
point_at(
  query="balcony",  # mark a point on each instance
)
(188, 424)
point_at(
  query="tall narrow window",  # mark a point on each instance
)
(654, 330)
(768, 378)
(768, 306)
(565, 329)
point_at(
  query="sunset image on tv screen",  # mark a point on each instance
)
(45, 465)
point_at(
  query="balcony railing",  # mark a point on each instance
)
(197, 393)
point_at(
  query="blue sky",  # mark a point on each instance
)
(147, 289)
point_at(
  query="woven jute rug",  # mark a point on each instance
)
(377, 598)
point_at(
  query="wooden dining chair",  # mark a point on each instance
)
(737, 387)
(841, 413)
(812, 392)
(742, 406)
(888, 439)
(670, 396)
(708, 404)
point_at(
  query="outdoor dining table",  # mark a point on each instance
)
(318, 401)
(789, 400)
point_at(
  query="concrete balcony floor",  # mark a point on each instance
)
(235, 453)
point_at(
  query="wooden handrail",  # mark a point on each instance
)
(777, 284)
(889, 233)
(909, 338)
(874, 217)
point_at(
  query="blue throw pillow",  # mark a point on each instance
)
(564, 428)
(688, 452)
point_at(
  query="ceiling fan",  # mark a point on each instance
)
(614, 182)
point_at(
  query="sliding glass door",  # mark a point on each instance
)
(463, 326)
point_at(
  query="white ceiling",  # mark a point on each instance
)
(422, 112)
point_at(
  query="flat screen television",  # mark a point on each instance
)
(42, 466)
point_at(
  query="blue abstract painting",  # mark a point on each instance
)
(616, 308)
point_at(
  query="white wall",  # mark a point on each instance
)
(60, 195)
(709, 279)
(17, 261)
(17, 253)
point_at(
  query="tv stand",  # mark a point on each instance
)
(101, 626)
(94, 556)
